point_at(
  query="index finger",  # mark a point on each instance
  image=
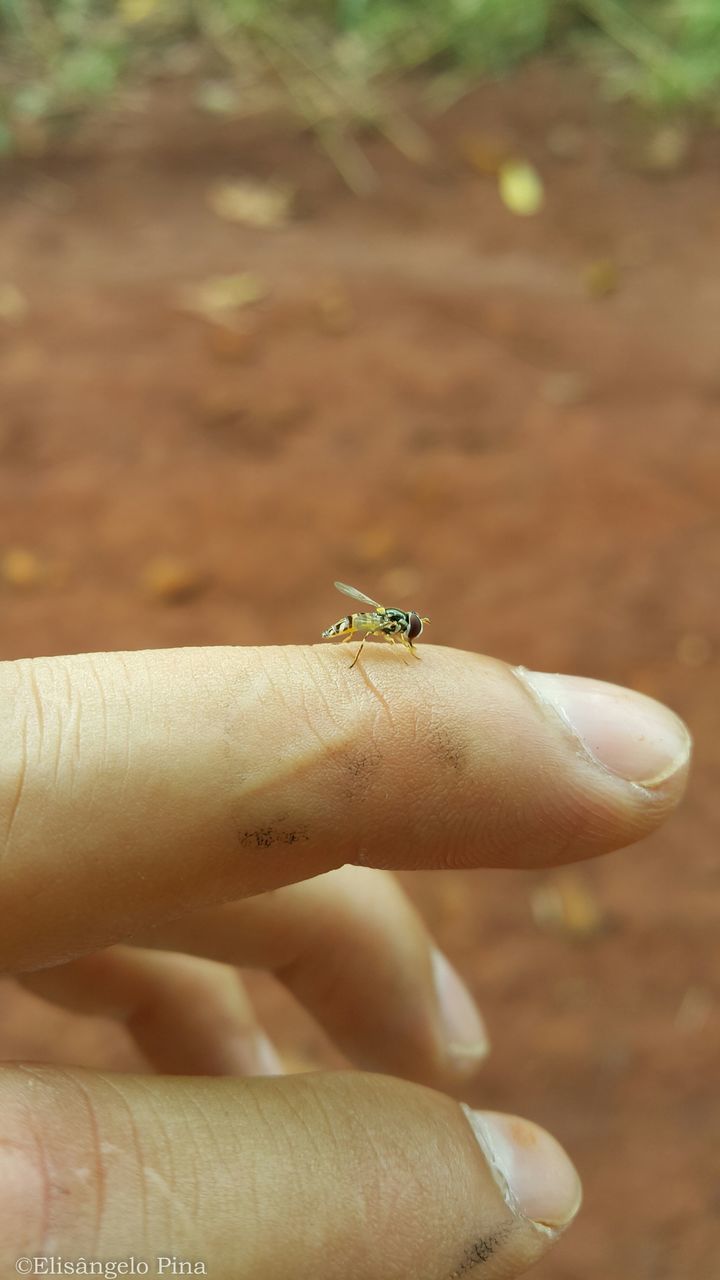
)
(137, 786)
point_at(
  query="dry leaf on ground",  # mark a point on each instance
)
(217, 295)
(252, 202)
(521, 188)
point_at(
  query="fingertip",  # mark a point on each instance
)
(634, 737)
(465, 1039)
(535, 1175)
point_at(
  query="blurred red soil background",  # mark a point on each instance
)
(509, 423)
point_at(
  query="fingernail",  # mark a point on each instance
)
(466, 1039)
(267, 1058)
(633, 736)
(252, 1055)
(536, 1177)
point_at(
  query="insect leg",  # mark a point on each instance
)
(404, 640)
(393, 640)
(377, 631)
(357, 655)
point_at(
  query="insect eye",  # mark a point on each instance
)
(415, 626)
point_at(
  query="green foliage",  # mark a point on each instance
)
(57, 57)
(484, 35)
(331, 57)
(664, 53)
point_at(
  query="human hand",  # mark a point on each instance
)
(162, 816)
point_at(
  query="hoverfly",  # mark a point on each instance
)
(397, 626)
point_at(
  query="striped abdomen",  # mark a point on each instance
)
(353, 622)
(338, 628)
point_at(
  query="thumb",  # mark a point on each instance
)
(318, 1177)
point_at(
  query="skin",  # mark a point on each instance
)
(171, 816)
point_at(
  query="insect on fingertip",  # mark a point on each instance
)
(396, 626)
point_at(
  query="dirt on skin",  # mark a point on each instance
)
(509, 423)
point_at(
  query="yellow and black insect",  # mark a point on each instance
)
(397, 626)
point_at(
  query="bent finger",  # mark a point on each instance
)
(321, 1177)
(135, 787)
(188, 1016)
(353, 950)
(33, 1029)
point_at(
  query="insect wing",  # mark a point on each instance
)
(357, 595)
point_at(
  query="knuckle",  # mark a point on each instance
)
(19, 713)
(41, 710)
(51, 1174)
